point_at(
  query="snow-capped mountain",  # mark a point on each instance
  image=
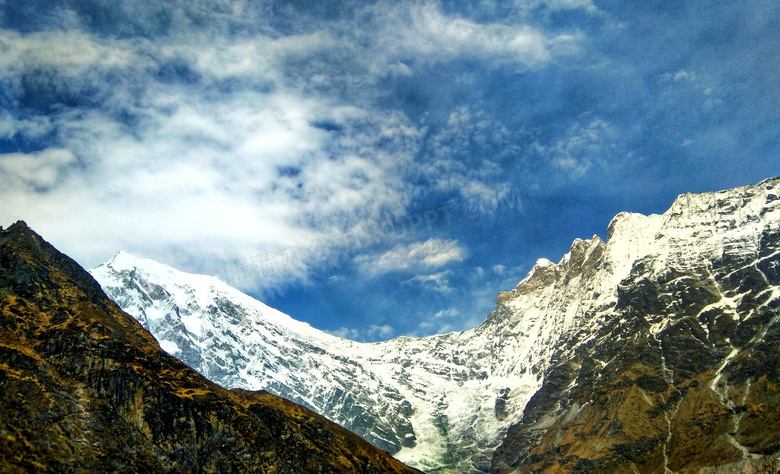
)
(239, 342)
(446, 402)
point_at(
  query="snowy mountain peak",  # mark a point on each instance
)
(126, 261)
(154, 290)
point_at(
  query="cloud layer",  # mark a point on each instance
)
(207, 132)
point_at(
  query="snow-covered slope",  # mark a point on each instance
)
(239, 342)
(434, 401)
(445, 401)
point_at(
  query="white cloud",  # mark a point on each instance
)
(180, 171)
(438, 282)
(584, 146)
(431, 254)
(346, 333)
(384, 331)
(422, 31)
(442, 325)
(447, 313)
(527, 5)
(71, 54)
(33, 172)
(684, 76)
(373, 332)
(457, 154)
(197, 173)
(703, 87)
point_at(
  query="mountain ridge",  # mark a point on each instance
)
(444, 403)
(665, 347)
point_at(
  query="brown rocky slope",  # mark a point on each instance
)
(83, 387)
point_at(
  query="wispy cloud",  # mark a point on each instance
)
(447, 313)
(35, 172)
(584, 146)
(431, 254)
(374, 332)
(185, 163)
(424, 32)
(233, 145)
(455, 150)
(437, 282)
(346, 333)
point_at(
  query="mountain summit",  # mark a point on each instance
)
(654, 351)
(84, 388)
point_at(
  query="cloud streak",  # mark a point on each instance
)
(422, 31)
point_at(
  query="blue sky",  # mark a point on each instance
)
(374, 168)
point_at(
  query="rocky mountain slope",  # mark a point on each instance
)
(682, 371)
(651, 352)
(84, 388)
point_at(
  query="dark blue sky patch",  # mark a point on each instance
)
(289, 171)
(478, 11)
(20, 143)
(30, 16)
(45, 92)
(577, 18)
(328, 126)
(126, 19)
(177, 71)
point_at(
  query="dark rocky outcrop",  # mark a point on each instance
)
(83, 387)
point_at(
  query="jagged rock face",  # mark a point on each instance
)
(83, 387)
(683, 371)
(567, 358)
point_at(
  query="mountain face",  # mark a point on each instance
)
(84, 388)
(655, 351)
(681, 369)
(439, 402)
